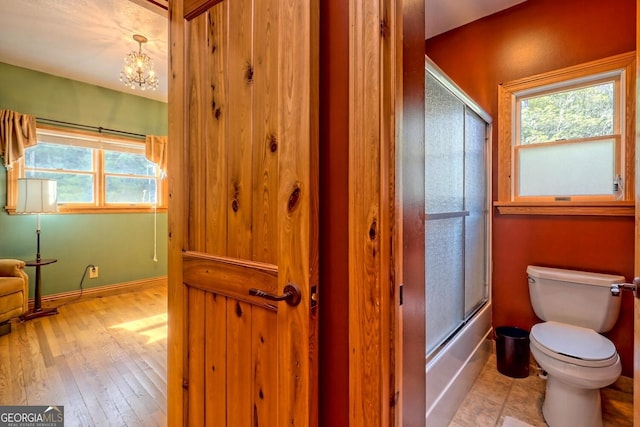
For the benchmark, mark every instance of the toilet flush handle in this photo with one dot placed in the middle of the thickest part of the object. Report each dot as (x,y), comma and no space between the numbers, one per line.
(616,288)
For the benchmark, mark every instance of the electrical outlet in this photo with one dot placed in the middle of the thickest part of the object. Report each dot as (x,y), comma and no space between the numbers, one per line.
(93,272)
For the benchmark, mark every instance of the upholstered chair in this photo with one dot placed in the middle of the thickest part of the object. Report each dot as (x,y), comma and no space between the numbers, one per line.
(14,292)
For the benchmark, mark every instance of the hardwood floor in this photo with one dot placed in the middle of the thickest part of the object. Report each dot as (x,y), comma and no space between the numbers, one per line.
(104,359)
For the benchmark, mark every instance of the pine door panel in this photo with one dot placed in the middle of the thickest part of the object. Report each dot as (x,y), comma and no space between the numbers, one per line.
(196,352)
(249,172)
(265,144)
(196,123)
(239,118)
(215,367)
(216,132)
(240,399)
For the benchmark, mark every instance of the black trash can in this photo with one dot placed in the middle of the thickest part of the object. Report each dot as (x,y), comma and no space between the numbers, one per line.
(512,351)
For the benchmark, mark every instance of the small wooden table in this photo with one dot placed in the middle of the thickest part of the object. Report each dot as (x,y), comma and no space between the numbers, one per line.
(37,310)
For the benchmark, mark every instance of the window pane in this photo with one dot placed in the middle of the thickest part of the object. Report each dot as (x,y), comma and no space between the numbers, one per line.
(72,188)
(127,163)
(130,190)
(572,114)
(55,156)
(566,169)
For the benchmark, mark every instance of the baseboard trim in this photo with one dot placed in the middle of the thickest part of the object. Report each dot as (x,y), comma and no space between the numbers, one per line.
(102,291)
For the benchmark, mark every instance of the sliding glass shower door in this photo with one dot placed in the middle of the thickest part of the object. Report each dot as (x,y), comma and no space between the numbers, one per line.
(456,207)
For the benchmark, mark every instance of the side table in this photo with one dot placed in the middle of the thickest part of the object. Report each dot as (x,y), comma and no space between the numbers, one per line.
(37,310)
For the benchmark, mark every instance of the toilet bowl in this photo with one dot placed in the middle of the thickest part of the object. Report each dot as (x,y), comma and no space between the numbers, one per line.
(579,362)
(575,307)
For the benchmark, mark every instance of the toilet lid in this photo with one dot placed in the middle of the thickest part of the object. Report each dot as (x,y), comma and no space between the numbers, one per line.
(573,341)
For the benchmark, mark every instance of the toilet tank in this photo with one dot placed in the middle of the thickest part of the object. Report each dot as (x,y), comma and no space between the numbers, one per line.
(577,298)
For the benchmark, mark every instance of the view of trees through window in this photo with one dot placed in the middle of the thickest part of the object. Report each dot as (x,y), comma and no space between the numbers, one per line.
(71,167)
(128,177)
(571,114)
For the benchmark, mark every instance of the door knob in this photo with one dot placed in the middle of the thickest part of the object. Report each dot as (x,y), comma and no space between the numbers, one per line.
(291,295)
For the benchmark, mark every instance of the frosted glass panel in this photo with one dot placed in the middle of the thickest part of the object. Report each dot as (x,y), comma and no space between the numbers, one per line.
(444,148)
(475,262)
(580,168)
(456,227)
(444,276)
(475,192)
(475,252)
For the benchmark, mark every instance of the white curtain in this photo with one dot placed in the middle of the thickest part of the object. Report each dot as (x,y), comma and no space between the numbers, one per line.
(17,133)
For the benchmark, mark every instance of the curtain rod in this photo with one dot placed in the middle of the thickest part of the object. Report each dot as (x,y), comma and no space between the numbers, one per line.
(98,129)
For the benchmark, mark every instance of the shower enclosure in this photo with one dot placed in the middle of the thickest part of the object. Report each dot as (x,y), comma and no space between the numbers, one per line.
(457,242)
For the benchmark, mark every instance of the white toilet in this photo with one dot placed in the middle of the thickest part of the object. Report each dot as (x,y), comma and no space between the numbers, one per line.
(576,307)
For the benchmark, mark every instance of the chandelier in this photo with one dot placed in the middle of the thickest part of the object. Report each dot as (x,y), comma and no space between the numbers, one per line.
(138,68)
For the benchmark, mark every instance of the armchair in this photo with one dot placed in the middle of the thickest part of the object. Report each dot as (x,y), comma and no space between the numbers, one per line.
(14,292)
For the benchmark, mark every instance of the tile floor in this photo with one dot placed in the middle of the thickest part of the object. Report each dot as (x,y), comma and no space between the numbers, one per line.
(495,396)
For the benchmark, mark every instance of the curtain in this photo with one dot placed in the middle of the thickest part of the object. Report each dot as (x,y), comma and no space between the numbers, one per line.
(156,152)
(17,132)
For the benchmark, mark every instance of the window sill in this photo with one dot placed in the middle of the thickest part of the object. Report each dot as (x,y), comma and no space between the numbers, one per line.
(11,210)
(622,208)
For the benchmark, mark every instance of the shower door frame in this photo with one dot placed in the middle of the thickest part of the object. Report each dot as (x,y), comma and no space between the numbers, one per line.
(451,369)
(431,68)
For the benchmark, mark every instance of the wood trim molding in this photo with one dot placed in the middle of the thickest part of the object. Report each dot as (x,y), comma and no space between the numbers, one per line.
(566,208)
(411,198)
(101,291)
(569,73)
(11,210)
(163,4)
(373,308)
(177,201)
(636,264)
(193,8)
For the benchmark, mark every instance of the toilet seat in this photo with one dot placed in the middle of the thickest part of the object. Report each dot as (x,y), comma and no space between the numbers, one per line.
(573,344)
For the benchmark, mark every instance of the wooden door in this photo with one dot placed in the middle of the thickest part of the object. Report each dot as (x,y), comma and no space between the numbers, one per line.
(636,303)
(636,323)
(243,212)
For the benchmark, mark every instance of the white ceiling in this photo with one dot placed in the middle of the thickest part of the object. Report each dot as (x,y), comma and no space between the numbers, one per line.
(444,15)
(86,40)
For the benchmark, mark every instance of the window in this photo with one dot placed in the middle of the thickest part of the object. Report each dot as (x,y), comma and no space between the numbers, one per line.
(93,172)
(567,140)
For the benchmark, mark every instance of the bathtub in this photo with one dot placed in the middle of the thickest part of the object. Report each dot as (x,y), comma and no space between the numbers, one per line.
(453,370)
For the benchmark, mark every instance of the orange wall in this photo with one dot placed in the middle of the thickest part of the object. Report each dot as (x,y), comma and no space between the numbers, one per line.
(334,208)
(534,37)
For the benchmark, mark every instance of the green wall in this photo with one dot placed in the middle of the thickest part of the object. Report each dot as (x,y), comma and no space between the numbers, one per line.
(121,245)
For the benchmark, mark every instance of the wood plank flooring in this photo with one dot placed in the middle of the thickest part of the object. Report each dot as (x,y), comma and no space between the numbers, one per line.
(104,359)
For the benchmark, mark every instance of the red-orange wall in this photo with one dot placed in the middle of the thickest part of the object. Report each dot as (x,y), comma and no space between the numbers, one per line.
(534,37)
(334,208)
(334,348)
